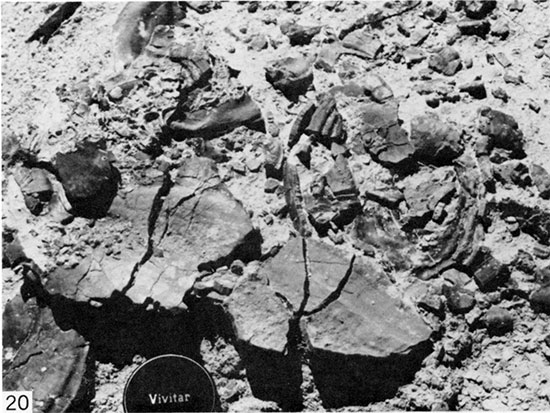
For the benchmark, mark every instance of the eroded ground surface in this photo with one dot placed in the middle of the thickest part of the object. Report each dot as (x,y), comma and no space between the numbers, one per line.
(329,205)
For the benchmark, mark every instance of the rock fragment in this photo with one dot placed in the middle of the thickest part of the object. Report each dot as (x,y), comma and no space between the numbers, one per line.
(489,272)
(259,318)
(413,55)
(459,300)
(476,89)
(363,44)
(513,172)
(498,321)
(175,230)
(50,361)
(258,42)
(51,26)
(435,141)
(477,9)
(379,90)
(338,334)
(510,77)
(470,27)
(534,106)
(379,129)
(210,123)
(502,129)
(418,36)
(274,158)
(390,197)
(500,29)
(295,200)
(540,299)
(501,94)
(89,179)
(300,123)
(436,13)
(299,35)
(541,179)
(35,186)
(424,194)
(328,57)
(336,202)
(322,122)
(533,220)
(135,25)
(291,75)
(516,5)
(446,60)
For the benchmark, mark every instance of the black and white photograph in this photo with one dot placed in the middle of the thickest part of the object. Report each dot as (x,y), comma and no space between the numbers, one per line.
(275,206)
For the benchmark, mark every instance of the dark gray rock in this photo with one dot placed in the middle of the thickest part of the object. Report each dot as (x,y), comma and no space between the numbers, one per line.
(425,193)
(502,129)
(513,172)
(435,141)
(500,29)
(541,179)
(89,179)
(389,197)
(501,94)
(295,200)
(362,297)
(436,13)
(382,135)
(498,321)
(477,9)
(274,157)
(476,89)
(532,220)
(378,89)
(418,36)
(503,60)
(326,124)
(300,124)
(344,344)
(340,299)
(446,60)
(376,231)
(334,197)
(39,355)
(363,44)
(299,35)
(259,318)
(35,186)
(213,122)
(459,300)
(271,185)
(258,42)
(489,273)
(172,233)
(413,55)
(540,299)
(291,75)
(525,262)
(470,27)
(328,57)
(460,233)
(513,78)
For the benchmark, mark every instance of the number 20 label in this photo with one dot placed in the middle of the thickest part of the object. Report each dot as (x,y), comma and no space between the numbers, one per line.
(17,401)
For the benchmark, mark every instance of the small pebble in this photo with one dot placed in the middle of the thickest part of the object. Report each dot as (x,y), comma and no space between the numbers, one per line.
(237,267)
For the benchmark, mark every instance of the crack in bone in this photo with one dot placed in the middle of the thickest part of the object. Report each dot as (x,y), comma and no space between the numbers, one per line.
(156,208)
(333,296)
